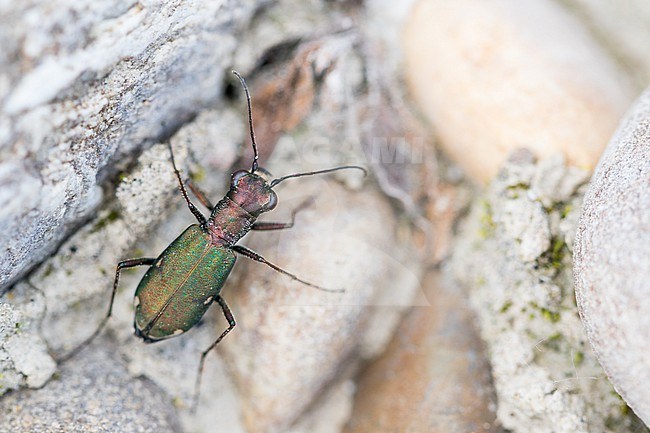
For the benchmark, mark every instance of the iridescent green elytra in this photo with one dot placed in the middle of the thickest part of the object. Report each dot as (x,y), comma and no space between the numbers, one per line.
(182,283)
(180,286)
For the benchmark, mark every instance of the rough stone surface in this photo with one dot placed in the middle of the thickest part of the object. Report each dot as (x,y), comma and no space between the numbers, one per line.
(84,84)
(546,377)
(612,259)
(24,360)
(95,394)
(491,77)
(435,348)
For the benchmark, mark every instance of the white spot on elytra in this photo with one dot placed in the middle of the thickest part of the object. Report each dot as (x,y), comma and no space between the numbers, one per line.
(136,301)
(178,332)
(207,301)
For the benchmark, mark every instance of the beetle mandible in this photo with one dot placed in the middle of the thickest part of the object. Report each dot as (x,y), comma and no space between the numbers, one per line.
(187,277)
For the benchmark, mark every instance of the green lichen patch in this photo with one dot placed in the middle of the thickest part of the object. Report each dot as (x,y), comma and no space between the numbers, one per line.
(505,307)
(578,358)
(566,210)
(487,225)
(555,256)
(551,316)
(198,175)
(111,216)
(515,191)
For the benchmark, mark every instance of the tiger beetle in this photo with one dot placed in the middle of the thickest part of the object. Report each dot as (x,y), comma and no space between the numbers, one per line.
(182,283)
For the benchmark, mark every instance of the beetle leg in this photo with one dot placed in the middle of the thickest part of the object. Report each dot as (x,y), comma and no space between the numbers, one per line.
(231,324)
(205,201)
(144,261)
(195,211)
(263,225)
(254,256)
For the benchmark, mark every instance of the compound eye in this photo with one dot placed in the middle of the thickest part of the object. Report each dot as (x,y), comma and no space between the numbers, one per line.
(273,201)
(238,175)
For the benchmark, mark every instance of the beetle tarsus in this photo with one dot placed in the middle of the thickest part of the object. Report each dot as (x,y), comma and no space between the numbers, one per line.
(231,322)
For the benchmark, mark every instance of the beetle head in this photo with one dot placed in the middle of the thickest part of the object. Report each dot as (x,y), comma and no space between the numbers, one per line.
(252,192)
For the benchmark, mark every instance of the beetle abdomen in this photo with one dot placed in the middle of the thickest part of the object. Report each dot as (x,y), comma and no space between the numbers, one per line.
(180,286)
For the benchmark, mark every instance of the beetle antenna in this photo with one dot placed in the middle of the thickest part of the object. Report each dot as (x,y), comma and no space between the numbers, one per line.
(250,120)
(311,173)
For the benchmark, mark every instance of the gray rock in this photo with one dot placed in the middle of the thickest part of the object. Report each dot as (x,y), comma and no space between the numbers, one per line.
(519,270)
(612,259)
(84,85)
(24,359)
(93,394)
